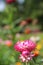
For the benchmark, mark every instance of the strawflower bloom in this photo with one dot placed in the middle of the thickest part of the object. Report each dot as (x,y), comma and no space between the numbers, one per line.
(25,45)
(25,48)
(25,53)
(26,58)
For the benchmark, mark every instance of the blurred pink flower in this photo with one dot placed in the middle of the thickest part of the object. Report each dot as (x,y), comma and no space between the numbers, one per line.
(10,1)
(1,40)
(8,43)
(25,45)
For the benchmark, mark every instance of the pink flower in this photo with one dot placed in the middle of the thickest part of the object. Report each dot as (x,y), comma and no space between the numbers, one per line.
(25,53)
(19,46)
(26,59)
(25,45)
(1,40)
(22,58)
(9,1)
(8,43)
(31,45)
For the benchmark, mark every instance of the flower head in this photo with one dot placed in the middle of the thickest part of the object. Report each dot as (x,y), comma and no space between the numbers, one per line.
(26,58)
(31,45)
(25,53)
(25,45)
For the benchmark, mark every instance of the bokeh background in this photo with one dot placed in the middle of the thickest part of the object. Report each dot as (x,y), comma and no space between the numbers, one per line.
(20,20)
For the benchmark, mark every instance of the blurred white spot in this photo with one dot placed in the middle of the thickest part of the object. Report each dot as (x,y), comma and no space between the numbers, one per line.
(2,6)
(35,39)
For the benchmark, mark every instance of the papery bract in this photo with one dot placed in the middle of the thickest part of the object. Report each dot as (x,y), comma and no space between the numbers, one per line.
(25,45)
(19,46)
(31,45)
(26,58)
(25,53)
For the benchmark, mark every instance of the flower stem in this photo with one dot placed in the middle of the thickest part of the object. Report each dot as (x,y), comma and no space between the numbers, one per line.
(26,63)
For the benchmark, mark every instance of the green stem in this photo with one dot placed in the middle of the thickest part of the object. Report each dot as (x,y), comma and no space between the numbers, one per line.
(26,63)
